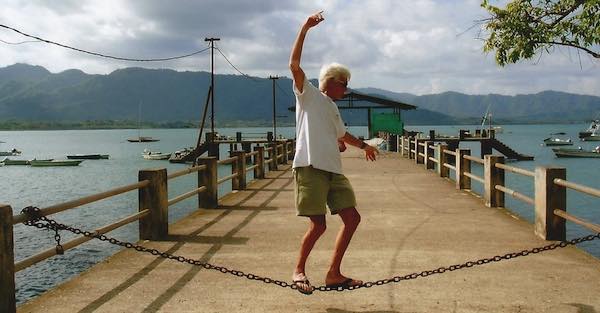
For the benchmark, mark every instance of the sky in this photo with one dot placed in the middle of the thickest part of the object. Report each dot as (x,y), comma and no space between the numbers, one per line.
(418,46)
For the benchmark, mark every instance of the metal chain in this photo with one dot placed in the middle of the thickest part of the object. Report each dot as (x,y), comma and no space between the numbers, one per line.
(36,219)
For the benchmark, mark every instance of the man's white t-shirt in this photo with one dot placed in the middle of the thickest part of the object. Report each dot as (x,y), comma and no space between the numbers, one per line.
(318,126)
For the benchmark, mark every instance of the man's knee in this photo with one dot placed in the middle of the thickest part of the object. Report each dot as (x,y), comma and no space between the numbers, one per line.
(318,228)
(350,217)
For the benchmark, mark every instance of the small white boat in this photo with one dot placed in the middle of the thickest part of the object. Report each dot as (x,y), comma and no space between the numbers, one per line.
(12,152)
(155,155)
(592,133)
(557,142)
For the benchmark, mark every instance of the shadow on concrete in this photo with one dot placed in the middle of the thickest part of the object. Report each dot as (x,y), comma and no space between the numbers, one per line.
(583,308)
(333,310)
(218,243)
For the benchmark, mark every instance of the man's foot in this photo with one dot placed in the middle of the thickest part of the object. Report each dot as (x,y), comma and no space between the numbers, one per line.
(344,283)
(302,284)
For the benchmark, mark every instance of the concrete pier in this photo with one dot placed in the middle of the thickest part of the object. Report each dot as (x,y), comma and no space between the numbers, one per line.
(412,220)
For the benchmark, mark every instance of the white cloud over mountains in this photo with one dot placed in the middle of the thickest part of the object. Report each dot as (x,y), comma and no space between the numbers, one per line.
(420,46)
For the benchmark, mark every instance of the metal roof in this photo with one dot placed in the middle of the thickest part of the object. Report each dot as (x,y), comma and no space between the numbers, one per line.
(353,98)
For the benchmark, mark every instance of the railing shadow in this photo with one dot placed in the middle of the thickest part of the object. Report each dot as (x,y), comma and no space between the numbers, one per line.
(217,244)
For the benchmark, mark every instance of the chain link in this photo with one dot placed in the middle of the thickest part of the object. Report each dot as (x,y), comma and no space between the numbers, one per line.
(36,219)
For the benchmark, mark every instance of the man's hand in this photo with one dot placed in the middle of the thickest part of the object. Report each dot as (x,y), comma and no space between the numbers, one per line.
(371,153)
(341,145)
(314,19)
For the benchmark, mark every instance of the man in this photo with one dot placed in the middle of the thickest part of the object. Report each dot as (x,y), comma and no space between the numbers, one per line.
(321,135)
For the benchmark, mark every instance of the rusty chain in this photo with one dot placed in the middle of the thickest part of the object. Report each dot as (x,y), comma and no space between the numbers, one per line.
(36,219)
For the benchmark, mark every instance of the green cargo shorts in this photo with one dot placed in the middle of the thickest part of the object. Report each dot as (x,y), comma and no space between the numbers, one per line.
(314,188)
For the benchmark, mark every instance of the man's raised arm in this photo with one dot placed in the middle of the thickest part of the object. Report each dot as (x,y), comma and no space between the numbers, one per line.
(297,72)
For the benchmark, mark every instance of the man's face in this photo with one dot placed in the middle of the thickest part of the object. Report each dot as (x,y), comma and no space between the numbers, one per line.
(336,88)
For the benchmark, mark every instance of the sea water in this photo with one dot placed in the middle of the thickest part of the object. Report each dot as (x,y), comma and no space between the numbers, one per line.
(23,186)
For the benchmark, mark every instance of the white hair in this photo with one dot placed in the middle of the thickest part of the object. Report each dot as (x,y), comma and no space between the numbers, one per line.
(335,71)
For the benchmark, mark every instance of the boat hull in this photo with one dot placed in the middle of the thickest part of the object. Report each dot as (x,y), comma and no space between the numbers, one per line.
(575,153)
(36,163)
(87,156)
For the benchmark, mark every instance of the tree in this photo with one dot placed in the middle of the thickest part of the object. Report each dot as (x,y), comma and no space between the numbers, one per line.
(528,27)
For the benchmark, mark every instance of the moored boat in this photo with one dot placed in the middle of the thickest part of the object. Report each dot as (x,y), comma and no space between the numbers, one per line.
(142,139)
(557,142)
(10,153)
(87,156)
(576,153)
(592,131)
(8,161)
(55,163)
(155,155)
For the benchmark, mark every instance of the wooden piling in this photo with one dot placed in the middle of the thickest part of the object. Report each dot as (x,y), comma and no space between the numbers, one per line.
(209,198)
(428,163)
(548,197)
(7,261)
(272,155)
(442,157)
(154,226)
(259,159)
(463,166)
(238,167)
(493,176)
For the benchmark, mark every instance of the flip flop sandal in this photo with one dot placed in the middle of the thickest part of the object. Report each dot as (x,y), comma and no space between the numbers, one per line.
(299,283)
(343,285)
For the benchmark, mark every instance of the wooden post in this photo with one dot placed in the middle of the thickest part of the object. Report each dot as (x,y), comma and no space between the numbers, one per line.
(548,197)
(284,151)
(428,163)
(293,149)
(416,146)
(419,149)
(486,147)
(272,154)
(463,166)
(259,159)
(208,199)
(493,176)
(154,226)
(442,158)
(8,302)
(239,167)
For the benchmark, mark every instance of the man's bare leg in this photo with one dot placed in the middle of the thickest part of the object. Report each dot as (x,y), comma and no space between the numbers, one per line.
(315,230)
(351,219)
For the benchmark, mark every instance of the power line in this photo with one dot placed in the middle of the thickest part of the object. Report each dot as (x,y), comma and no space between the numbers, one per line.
(18,43)
(283,90)
(243,74)
(100,54)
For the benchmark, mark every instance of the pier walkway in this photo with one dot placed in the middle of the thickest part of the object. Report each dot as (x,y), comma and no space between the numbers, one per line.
(412,221)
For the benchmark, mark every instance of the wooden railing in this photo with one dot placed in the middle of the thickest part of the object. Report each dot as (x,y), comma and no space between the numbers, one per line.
(550,184)
(152,205)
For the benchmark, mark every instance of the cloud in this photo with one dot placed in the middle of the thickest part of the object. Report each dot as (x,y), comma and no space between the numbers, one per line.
(420,46)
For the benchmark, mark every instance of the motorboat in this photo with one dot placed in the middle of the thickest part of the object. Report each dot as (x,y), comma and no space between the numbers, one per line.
(592,131)
(142,139)
(12,152)
(576,152)
(155,155)
(557,142)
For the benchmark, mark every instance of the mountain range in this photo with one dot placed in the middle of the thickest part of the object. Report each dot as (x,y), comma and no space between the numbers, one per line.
(32,93)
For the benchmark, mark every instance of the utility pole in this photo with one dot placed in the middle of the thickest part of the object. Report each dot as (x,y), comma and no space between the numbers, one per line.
(212,82)
(273,78)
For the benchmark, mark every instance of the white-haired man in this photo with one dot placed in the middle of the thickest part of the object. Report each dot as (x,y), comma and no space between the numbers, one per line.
(320,135)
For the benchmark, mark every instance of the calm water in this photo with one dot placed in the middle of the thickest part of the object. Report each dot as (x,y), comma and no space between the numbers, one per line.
(23,186)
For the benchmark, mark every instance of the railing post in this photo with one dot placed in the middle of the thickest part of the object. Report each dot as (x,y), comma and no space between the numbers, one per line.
(272,156)
(209,198)
(493,176)
(428,163)
(463,166)
(418,149)
(7,261)
(239,167)
(284,152)
(400,145)
(154,197)
(442,170)
(259,159)
(548,197)
(416,145)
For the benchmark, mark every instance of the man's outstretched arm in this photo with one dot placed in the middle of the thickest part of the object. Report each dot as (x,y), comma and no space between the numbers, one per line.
(297,71)
(370,151)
